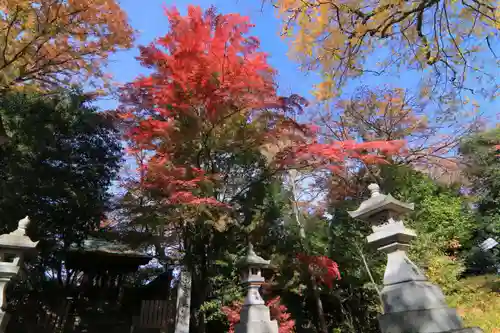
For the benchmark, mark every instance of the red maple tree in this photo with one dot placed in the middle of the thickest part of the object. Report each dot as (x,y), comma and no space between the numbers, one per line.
(212,90)
(207,79)
(323,268)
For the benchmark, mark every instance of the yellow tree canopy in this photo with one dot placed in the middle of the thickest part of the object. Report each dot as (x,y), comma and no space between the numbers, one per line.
(49,43)
(342,38)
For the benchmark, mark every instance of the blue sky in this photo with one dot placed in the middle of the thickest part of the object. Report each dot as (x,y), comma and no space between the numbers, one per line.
(148,18)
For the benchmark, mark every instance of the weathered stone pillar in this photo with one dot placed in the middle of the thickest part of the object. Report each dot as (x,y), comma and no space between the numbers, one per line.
(183,307)
(411,303)
(254,316)
(13,246)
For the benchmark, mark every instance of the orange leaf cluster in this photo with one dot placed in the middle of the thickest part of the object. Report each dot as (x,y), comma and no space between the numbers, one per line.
(49,43)
(334,155)
(347,39)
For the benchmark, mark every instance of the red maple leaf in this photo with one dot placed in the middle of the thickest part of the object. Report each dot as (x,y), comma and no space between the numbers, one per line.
(278,312)
(204,70)
(208,79)
(324,268)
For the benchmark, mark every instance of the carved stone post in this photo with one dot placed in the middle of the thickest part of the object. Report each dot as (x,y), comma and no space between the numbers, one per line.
(183,307)
(13,246)
(254,316)
(411,303)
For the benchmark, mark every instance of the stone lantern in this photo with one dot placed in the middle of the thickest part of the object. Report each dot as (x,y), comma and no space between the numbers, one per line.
(411,303)
(254,316)
(13,247)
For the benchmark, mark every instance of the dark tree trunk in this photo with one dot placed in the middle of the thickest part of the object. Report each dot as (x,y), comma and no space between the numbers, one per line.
(4,138)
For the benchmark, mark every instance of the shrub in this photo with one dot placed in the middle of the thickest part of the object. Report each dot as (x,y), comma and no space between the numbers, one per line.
(278,312)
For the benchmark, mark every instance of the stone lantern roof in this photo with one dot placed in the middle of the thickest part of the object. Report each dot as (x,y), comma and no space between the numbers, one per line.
(18,239)
(383,212)
(378,203)
(252,259)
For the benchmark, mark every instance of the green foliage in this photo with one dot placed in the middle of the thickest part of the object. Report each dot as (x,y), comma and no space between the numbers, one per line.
(354,303)
(226,289)
(445,272)
(442,225)
(441,218)
(483,170)
(444,217)
(58,164)
(56,167)
(481,262)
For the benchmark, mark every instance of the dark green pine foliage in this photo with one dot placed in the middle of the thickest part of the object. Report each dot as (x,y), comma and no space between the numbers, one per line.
(56,167)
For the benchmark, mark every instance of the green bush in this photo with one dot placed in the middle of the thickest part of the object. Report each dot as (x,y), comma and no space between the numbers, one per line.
(445,272)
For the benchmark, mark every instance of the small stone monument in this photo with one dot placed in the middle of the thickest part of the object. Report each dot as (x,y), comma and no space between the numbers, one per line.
(488,244)
(183,306)
(411,303)
(254,316)
(13,247)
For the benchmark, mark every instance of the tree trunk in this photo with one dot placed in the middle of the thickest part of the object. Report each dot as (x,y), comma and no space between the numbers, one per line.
(321,325)
(199,296)
(4,138)
(200,259)
(319,306)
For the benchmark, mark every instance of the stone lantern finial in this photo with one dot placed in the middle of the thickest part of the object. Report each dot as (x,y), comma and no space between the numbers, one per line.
(22,225)
(251,267)
(17,240)
(252,260)
(411,303)
(374,189)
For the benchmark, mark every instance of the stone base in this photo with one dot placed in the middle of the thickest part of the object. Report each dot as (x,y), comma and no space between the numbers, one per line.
(257,327)
(468,330)
(421,321)
(254,312)
(412,295)
(255,318)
